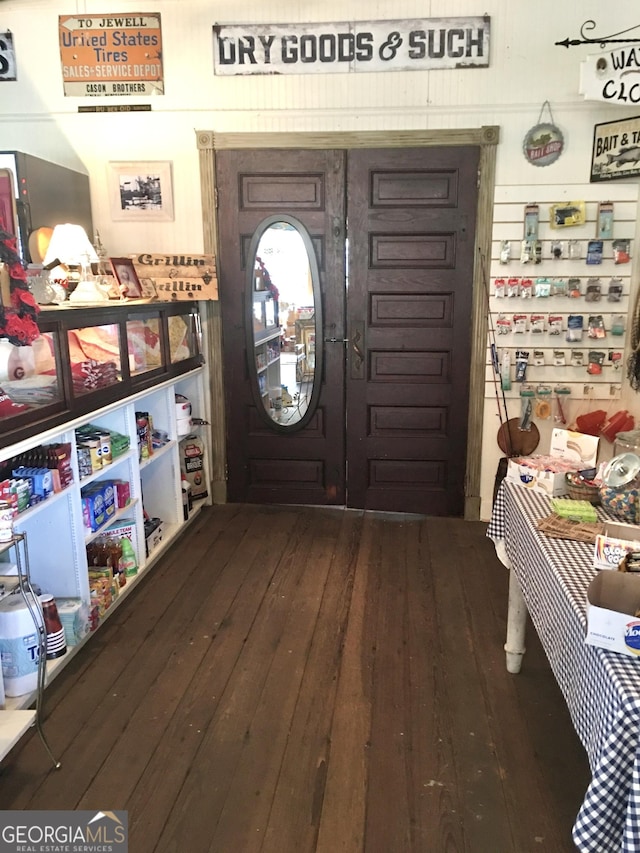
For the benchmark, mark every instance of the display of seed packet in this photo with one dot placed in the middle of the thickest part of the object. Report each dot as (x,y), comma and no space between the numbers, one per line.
(594,251)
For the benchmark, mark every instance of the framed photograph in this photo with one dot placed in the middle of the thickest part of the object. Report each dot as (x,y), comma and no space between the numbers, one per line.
(141,192)
(127,278)
(148,288)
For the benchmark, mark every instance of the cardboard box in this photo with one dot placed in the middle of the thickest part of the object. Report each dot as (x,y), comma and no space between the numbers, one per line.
(614,544)
(579,451)
(153,533)
(612,599)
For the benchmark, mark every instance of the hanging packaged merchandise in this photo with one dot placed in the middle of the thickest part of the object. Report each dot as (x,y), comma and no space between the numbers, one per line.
(577,358)
(596,360)
(192,465)
(531,252)
(574,250)
(526,288)
(531,221)
(539,358)
(617,325)
(574,288)
(621,251)
(526,408)
(542,408)
(543,287)
(500,288)
(514,287)
(505,252)
(520,323)
(556,249)
(594,251)
(537,324)
(594,290)
(575,323)
(559,357)
(561,393)
(615,359)
(596,327)
(555,324)
(614,292)
(558,287)
(505,370)
(503,324)
(522,360)
(605,220)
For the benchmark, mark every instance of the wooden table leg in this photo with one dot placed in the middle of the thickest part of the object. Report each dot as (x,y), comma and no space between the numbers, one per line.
(516,625)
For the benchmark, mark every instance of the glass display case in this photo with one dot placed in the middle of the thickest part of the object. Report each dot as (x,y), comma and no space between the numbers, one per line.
(88,357)
(184,336)
(30,383)
(94,355)
(144,344)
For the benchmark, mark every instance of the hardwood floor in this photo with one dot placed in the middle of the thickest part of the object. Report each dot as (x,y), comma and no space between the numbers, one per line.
(304,679)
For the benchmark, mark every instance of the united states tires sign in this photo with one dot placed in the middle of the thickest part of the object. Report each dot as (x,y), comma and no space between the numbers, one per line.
(405,45)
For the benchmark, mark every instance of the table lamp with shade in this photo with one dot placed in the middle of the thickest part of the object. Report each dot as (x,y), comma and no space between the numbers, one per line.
(69,256)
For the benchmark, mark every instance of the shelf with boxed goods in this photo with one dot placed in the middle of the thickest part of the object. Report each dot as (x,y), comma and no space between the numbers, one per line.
(143,496)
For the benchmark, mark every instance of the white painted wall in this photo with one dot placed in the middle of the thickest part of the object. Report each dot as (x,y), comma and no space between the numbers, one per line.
(526,69)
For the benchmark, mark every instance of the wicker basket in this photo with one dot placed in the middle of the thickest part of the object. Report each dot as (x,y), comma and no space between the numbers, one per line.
(580,489)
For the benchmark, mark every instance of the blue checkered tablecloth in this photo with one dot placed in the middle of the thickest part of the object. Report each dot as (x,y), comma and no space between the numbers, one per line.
(601,688)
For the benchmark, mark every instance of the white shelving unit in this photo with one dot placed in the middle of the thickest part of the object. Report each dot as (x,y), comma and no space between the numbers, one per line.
(55,529)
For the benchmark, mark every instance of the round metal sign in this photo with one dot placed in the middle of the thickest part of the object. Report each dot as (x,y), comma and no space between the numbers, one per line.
(543,144)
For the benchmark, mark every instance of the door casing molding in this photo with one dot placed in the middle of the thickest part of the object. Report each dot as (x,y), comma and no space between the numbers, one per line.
(487,139)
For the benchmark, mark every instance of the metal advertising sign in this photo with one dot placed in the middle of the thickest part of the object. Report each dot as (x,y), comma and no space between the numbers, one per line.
(613,76)
(404,45)
(7,57)
(543,144)
(616,150)
(111,54)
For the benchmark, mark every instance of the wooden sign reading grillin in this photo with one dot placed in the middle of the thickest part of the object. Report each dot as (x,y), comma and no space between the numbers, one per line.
(179,277)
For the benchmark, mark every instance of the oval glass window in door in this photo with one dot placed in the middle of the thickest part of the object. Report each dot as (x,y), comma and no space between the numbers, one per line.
(283,322)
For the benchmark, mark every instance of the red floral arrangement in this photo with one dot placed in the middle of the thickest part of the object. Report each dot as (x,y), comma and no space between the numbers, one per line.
(18,320)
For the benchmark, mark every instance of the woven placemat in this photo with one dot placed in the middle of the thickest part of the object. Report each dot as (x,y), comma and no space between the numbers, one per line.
(563,528)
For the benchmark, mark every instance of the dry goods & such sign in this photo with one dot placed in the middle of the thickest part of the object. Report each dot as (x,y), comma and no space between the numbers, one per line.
(406,45)
(111,54)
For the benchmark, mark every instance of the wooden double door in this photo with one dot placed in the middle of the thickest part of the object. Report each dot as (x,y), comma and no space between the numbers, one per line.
(393,231)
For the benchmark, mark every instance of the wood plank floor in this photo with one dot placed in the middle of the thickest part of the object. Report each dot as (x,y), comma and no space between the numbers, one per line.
(292,679)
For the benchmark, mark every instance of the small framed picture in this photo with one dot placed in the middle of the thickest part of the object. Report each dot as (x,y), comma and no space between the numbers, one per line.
(127,278)
(148,288)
